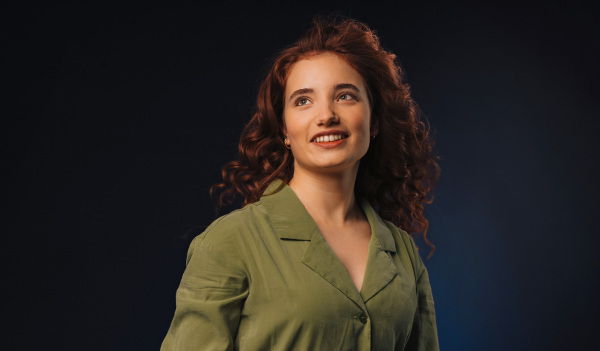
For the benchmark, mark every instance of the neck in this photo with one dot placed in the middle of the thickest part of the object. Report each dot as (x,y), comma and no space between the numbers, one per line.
(328,197)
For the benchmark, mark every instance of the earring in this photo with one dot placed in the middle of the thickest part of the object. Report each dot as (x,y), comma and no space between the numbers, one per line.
(373,137)
(287,143)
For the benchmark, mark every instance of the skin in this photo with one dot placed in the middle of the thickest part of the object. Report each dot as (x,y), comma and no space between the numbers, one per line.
(324,93)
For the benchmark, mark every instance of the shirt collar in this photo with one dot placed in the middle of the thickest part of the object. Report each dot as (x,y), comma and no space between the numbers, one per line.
(291,220)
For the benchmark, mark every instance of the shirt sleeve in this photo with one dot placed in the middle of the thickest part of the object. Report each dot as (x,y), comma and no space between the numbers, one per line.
(210,296)
(423,336)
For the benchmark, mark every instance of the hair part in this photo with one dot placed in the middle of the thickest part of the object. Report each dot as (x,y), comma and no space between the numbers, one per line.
(399,170)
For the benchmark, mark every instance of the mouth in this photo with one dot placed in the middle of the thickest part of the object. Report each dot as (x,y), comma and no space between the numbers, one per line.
(328,138)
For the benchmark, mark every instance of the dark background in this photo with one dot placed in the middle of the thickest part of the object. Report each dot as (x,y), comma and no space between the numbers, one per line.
(120,117)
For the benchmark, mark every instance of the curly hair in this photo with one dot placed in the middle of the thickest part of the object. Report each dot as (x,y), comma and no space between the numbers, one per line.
(399,169)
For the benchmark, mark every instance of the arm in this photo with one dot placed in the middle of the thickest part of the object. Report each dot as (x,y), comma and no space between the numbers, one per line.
(423,336)
(210,297)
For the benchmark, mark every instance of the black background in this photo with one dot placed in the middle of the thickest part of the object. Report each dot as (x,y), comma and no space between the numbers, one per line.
(120,117)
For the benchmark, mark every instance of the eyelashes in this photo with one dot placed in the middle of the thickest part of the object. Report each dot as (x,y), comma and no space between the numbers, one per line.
(348,97)
(301,101)
(345,96)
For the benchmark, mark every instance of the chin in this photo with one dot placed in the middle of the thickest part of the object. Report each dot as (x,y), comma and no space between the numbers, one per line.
(333,167)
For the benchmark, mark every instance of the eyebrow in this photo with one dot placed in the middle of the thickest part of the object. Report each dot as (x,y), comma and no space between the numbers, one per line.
(335,87)
(301,91)
(346,86)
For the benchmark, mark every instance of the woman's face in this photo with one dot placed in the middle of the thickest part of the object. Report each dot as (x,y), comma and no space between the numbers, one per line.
(326,114)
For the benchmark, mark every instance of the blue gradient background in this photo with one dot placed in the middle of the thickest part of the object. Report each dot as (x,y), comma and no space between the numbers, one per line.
(120,117)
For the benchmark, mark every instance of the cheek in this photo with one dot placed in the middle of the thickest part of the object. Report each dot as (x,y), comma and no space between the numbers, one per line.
(363,122)
(293,125)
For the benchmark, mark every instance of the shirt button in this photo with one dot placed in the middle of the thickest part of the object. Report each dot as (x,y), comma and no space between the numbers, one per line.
(361,317)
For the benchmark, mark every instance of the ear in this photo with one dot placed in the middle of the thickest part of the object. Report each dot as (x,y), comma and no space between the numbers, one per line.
(374,126)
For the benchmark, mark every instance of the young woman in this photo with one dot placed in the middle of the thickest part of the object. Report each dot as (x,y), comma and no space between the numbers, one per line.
(335,168)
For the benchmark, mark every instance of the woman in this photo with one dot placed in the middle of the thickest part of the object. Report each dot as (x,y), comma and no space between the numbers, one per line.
(334,159)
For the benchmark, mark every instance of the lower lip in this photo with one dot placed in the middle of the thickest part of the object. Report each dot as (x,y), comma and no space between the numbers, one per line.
(331,144)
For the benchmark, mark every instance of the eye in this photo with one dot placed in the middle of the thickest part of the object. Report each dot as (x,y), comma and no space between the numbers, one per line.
(347,97)
(301,101)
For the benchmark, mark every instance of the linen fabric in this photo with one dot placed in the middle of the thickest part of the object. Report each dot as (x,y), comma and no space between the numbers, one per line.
(264,278)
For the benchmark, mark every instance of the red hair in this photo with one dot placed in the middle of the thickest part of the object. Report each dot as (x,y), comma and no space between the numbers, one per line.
(398,171)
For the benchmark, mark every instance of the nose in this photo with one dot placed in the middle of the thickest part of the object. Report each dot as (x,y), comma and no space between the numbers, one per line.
(326,116)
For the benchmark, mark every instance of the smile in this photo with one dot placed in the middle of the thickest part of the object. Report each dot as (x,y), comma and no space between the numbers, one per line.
(328,138)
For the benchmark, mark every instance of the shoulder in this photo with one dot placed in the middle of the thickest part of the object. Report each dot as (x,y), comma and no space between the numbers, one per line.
(229,232)
(405,245)
(236,222)
(403,240)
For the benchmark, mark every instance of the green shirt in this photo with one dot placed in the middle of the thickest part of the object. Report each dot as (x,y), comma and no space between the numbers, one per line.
(264,278)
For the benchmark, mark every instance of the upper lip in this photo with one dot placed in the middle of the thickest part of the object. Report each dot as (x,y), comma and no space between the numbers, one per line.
(329,132)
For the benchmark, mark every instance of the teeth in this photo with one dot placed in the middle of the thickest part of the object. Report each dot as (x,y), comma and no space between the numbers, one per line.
(328,138)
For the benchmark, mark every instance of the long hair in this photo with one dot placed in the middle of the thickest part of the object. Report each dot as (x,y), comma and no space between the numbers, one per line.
(399,169)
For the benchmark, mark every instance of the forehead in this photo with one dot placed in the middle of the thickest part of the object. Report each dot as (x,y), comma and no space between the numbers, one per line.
(321,71)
